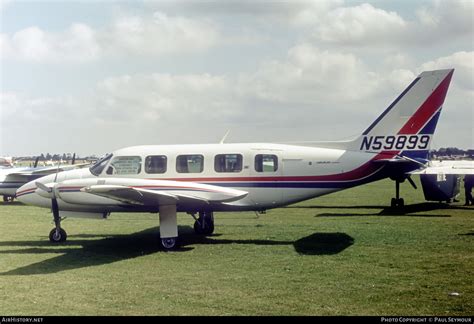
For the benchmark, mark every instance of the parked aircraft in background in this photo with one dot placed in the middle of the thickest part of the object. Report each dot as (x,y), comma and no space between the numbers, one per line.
(14,177)
(441,180)
(202,179)
(6,161)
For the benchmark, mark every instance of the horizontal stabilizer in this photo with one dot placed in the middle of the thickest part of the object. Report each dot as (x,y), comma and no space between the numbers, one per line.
(448,167)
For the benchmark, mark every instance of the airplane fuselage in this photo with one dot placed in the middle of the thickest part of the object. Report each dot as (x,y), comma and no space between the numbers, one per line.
(273,175)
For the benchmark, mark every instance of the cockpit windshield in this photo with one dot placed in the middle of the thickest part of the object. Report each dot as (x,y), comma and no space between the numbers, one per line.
(99,166)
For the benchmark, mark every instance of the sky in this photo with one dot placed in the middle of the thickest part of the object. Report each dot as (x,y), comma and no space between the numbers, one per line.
(94,76)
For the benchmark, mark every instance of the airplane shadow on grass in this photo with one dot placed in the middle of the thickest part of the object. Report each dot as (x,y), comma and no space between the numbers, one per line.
(82,251)
(408,210)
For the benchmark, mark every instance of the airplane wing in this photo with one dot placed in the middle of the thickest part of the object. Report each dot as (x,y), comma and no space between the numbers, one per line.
(134,196)
(42,171)
(194,195)
(28,174)
(448,167)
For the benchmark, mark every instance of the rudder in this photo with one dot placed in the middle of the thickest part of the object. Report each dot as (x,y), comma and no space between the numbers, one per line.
(408,124)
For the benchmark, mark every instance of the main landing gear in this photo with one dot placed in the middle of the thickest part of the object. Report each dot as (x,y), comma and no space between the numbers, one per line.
(398,202)
(204,225)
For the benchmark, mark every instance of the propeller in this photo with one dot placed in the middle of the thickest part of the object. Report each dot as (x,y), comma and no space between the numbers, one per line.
(73,159)
(51,192)
(36,162)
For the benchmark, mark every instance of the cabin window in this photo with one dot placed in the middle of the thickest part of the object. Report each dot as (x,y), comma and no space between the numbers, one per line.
(155,164)
(189,163)
(228,163)
(125,165)
(266,163)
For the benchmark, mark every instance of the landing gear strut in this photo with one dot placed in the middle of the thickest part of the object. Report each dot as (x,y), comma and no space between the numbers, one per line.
(57,234)
(397,201)
(168,227)
(205,223)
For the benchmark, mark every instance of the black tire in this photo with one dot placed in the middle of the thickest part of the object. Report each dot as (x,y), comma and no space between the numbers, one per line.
(169,243)
(57,238)
(393,203)
(208,227)
(401,203)
(198,228)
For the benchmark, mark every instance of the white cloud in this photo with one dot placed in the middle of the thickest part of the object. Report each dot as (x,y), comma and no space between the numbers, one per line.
(328,94)
(164,97)
(159,35)
(453,17)
(360,24)
(366,25)
(78,43)
(128,35)
(4,4)
(462,62)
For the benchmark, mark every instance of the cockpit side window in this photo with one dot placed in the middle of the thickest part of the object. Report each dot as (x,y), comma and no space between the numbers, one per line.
(99,166)
(123,165)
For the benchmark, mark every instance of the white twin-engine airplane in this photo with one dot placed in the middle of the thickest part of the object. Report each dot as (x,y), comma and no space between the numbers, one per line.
(245,177)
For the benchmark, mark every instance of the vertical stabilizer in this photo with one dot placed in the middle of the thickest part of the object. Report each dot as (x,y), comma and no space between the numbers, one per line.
(406,127)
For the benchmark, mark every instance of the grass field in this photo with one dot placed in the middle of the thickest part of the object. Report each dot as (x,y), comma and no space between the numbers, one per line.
(342,254)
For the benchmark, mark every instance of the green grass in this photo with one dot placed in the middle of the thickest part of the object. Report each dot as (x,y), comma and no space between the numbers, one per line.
(342,254)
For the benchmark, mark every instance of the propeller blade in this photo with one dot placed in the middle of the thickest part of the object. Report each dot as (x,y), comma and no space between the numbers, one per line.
(73,159)
(412,182)
(36,162)
(43,187)
(55,209)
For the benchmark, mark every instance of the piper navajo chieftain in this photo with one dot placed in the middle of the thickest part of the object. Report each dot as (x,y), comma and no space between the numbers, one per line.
(202,179)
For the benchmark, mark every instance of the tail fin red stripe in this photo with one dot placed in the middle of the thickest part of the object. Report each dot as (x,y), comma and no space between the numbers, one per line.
(427,109)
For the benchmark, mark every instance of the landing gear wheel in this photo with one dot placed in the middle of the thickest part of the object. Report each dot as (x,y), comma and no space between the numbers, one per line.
(57,237)
(205,223)
(169,243)
(8,199)
(401,203)
(393,202)
(397,203)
